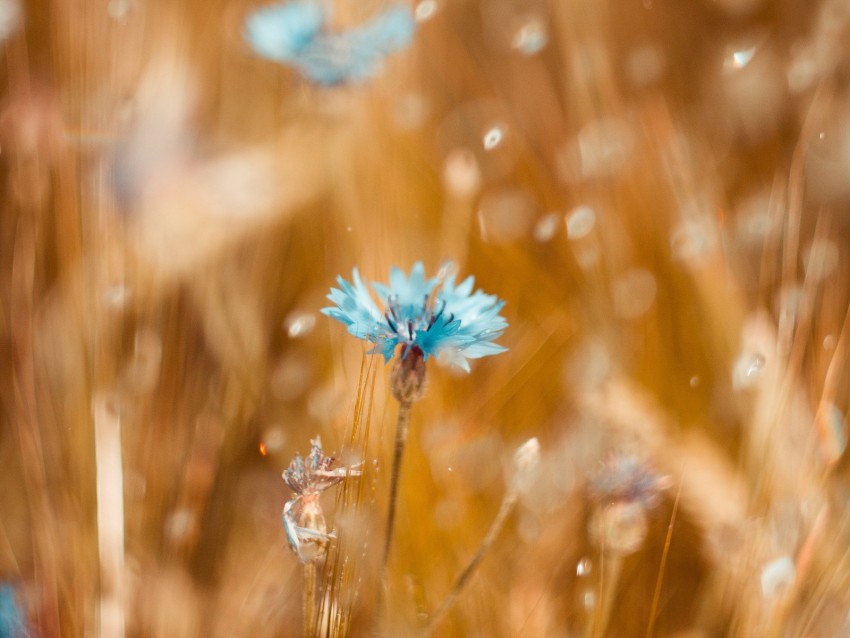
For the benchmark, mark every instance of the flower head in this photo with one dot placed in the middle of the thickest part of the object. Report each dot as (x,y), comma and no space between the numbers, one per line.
(303,518)
(424,316)
(12,620)
(295,33)
(623,491)
(315,474)
(627,478)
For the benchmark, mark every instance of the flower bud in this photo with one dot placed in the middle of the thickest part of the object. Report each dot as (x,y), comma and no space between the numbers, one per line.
(407,380)
(313,547)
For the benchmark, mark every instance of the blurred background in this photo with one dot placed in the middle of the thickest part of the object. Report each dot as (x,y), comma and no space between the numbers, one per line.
(659,190)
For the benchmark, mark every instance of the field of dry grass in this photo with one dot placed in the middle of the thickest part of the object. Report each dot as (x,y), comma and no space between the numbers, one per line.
(658,190)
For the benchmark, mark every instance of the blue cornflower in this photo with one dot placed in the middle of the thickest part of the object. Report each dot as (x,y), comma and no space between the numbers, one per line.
(424,316)
(12,621)
(625,477)
(296,33)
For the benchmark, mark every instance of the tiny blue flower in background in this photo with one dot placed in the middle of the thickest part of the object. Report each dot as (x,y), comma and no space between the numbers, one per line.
(421,315)
(281,32)
(12,623)
(296,34)
(626,477)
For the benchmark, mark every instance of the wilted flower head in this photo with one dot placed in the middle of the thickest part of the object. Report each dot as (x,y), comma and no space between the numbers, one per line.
(296,33)
(303,518)
(424,316)
(313,475)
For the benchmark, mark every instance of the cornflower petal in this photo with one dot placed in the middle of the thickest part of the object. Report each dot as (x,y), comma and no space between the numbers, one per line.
(442,334)
(407,291)
(388,31)
(12,619)
(296,34)
(354,308)
(454,358)
(281,32)
(482,349)
(467,306)
(449,321)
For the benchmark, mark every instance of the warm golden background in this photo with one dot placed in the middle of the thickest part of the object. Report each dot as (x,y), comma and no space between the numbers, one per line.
(659,189)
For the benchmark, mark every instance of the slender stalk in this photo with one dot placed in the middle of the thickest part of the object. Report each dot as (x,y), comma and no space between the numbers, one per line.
(508,503)
(656,595)
(596,621)
(309,599)
(401,430)
(526,458)
(110,516)
(407,382)
(612,569)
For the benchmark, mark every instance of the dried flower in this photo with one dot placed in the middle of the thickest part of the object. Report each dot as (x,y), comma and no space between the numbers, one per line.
(303,519)
(296,34)
(525,464)
(423,316)
(316,474)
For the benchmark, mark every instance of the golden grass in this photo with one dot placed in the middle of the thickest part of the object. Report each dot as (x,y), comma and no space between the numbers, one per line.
(175,209)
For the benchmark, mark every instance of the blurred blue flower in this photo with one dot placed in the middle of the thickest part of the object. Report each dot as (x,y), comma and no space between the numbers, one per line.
(626,477)
(425,315)
(12,623)
(296,34)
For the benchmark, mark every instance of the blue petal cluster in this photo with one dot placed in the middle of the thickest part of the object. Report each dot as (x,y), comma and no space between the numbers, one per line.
(296,34)
(12,620)
(625,477)
(437,318)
